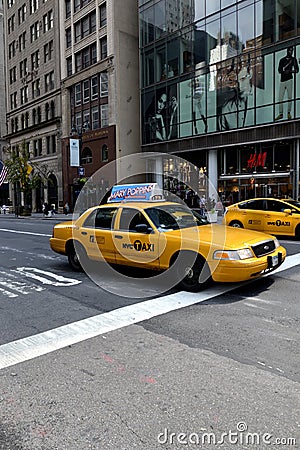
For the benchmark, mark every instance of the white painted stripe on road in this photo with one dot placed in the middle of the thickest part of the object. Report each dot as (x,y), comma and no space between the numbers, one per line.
(35,255)
(8,293)
(25,232)
(41,344)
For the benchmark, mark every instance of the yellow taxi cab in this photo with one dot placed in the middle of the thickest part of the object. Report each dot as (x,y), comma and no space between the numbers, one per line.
(270,215)
(138,228)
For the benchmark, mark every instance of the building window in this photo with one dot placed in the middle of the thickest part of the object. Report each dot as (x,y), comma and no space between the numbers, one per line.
(104,153)
(48,51)
(94,87)
(39,114)
(68,8)
(86,91)
(85,26)
(51,144)
(23,68)
(104,115)
(86,156)
(68,38)
(95,118)
(36,90)
(22,14)
(11,24)
(49,81)
(52,110)
(103,19)
(48,21)
(78,4)
(34,4)
(13,100)
(12,49)
(47,111)
(85,58)
(103,47)
(13,75)
(103,84)
(78,94)
(10,3)
(35,60)
(24,95)
(35,148)
(22,41)
(34,31)
(69,66)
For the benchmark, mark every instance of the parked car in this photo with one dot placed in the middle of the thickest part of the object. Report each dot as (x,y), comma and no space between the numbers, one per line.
(147,232)
(270,215)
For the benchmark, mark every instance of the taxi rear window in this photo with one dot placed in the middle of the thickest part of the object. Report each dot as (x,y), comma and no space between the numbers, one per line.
(101,218)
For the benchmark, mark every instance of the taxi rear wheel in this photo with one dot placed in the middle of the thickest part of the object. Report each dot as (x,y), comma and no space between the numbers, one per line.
(236,224)
(76,256)
(193,272)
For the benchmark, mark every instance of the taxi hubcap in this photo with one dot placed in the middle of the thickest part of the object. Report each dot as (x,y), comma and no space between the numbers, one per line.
(189,273)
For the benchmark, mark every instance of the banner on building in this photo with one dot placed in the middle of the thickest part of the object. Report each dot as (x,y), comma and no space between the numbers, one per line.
(74,153)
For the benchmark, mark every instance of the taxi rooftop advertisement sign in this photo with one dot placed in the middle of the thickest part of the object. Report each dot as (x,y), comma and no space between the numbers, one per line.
(143,192)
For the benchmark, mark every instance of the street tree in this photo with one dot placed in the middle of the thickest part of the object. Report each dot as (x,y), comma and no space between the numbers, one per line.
(24,174)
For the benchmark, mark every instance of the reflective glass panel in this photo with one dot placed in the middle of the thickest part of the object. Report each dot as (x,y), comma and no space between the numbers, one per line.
(199,8)
(284,19)
(160,19)
(212,6)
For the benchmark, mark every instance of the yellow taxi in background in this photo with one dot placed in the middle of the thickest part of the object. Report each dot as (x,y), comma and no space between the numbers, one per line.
(270,215)
(138,228)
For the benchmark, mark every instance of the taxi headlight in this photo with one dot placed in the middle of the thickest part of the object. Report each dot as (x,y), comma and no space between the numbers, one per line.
(233,255)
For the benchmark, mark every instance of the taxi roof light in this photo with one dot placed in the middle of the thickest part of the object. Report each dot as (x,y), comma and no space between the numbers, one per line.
(142,192)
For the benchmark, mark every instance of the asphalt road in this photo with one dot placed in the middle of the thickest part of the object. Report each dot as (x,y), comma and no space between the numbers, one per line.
(96,370)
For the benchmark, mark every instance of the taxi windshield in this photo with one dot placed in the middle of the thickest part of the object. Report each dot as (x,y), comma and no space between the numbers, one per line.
(173,217)
(293,203)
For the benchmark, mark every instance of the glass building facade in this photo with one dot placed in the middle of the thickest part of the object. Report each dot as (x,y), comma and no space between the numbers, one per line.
(210,67)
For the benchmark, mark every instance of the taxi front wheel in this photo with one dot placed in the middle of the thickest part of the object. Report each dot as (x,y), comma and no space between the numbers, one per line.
(193,272)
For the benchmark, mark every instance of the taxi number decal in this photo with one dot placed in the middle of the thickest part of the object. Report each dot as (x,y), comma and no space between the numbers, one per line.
(254,222)
(98,239)
(279,223)
(140,246)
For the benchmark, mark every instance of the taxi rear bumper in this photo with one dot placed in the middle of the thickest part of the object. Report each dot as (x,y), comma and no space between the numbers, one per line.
(58,246)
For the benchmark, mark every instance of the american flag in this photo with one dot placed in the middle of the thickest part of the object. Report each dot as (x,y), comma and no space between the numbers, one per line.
(3,172)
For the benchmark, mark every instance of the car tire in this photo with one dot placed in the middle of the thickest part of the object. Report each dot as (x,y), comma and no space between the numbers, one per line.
(236,224)
(297,232)
(76,257)
(193,272)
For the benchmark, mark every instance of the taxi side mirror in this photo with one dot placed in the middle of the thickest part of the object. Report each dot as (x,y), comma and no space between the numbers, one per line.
(142,228)
(287,211)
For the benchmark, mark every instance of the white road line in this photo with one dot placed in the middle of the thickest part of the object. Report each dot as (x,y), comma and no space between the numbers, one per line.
(24,232)
(41,344)
(36,255)
(8,293)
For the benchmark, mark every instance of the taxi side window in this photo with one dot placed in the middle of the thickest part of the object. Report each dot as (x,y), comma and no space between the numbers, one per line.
(254,205)
(273,205)
(130,218)
(161,218)
(101,218)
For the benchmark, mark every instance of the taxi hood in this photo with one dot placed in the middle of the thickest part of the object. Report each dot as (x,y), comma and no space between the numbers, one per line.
(225,236)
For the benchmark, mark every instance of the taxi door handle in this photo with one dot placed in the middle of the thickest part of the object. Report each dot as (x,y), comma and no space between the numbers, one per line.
(118,236)
(84,233)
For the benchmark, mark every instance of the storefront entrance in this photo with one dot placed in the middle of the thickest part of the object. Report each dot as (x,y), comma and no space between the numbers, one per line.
(239,189)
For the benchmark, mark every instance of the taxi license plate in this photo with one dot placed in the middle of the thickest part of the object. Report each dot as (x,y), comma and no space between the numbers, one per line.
(274,260)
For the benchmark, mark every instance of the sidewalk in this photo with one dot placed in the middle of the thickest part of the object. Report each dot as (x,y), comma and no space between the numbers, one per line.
(38,216)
